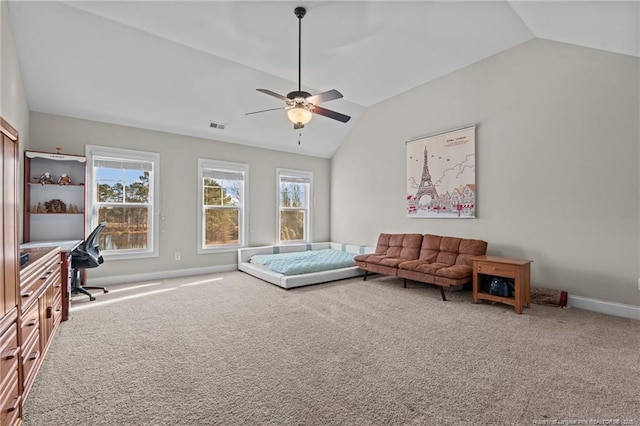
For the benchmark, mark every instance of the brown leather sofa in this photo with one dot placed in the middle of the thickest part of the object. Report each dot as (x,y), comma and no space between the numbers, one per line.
(431,259)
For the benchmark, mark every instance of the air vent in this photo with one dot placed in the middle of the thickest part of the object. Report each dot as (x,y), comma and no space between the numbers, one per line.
(219,126)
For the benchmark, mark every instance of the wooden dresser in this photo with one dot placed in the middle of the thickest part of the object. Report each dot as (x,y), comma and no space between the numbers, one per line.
(41,309)
(10,396)
(30,295)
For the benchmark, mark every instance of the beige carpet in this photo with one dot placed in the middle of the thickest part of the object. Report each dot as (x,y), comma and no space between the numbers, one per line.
(229,349)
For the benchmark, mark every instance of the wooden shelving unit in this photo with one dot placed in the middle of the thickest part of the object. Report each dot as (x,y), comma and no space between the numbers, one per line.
(517,269)
(65,217)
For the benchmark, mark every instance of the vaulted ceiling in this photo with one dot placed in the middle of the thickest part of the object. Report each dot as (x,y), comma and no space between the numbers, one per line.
(175,66)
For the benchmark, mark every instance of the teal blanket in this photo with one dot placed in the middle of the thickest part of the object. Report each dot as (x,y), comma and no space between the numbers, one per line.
(303,262)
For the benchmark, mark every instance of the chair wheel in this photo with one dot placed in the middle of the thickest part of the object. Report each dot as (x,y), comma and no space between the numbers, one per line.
(91,298)
(105,290)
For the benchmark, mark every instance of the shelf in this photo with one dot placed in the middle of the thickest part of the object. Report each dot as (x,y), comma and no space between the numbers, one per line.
(55,185)
(79,213)
(64,219)
(516,269)
(493,298)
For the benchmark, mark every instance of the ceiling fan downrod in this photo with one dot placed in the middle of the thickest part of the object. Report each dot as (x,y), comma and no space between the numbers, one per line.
(300,12)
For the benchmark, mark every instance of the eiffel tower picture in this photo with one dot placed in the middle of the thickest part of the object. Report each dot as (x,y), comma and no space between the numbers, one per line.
(426,186)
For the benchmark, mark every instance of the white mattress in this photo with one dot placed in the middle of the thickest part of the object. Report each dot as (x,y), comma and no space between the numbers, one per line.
(284,281)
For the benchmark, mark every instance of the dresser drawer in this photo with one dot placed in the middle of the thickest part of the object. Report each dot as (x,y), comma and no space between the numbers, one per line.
(30,358)
(30,323)
(57,310)
(497,269)
(40,273)
(10,401)
(9,351)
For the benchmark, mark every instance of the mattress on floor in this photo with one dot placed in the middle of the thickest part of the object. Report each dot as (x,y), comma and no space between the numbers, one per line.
(305,262)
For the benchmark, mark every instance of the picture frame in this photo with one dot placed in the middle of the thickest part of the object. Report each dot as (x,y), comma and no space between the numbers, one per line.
(441,175)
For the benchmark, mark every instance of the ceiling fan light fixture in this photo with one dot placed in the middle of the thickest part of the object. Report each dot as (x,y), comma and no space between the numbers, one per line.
(299,115)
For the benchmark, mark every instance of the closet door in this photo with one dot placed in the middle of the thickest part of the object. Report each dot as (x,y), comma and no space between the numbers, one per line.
(9,219)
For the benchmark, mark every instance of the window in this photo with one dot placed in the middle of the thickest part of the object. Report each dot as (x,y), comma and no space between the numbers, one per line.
(123,192)
(222,197)
(294,199)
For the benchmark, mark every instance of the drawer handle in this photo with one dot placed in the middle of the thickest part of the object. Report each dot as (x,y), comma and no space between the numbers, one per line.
(49,311)
(31,323)
(12,353)
(56,286)
(34,355)
(14,404)
(26,293)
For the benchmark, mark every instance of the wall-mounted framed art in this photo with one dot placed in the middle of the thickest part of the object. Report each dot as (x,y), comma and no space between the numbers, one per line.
(441,174)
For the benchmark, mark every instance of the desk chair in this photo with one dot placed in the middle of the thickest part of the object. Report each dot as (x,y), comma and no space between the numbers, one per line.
(86,255)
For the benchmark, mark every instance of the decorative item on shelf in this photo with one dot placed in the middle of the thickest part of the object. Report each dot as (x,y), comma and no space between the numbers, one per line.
(59,149)
(45,178)
(55,206)
(72,209)
(37,208)
(64,179)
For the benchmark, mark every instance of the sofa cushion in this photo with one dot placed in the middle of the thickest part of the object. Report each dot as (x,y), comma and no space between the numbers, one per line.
(456,272)
(398,245)
(383,244)
(431,268)
(448,250)
(392,261)
(470,248)
(430,247)
(361,257)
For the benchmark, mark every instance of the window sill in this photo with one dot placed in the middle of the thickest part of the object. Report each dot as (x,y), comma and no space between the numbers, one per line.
(227,249)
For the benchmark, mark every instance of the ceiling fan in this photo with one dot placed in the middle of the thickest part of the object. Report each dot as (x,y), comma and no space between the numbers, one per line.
(301,105)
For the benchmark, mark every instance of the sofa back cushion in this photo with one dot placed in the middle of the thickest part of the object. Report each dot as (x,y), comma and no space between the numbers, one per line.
(470,248)
(450,250)
(430,247)
(399,245)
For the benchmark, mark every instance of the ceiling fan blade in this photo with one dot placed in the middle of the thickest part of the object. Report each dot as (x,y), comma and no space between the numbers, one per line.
(264,110)
(274,94)
(331,114)
(329,95)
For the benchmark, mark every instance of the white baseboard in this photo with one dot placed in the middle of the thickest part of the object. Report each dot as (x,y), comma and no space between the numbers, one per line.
(602,306)
(161,275)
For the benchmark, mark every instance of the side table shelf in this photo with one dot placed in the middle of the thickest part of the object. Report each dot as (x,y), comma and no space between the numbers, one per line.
(517,269)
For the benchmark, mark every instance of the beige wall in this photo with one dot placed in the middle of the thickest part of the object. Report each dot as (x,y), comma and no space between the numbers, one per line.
(13,100)
(13,104)
(557,164)
(178,186)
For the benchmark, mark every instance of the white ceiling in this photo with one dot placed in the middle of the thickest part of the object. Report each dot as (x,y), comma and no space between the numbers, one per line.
(174,66)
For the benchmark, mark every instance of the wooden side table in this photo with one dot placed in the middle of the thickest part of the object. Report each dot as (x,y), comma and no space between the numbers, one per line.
(517,269)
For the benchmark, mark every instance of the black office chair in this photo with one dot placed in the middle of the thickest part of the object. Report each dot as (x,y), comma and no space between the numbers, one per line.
(86,255)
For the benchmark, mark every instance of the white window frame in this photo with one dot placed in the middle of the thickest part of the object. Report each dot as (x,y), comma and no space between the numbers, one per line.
(224,166)
(93,152)
(300,174)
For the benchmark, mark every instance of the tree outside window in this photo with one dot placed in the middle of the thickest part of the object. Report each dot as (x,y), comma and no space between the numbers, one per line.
(122,191)
(294,189)
(123,201)
(222,189)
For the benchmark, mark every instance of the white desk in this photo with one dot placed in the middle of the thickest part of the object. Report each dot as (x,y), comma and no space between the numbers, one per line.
(66,247)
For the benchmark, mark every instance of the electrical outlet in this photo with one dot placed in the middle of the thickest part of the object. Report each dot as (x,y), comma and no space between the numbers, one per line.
(177,255)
